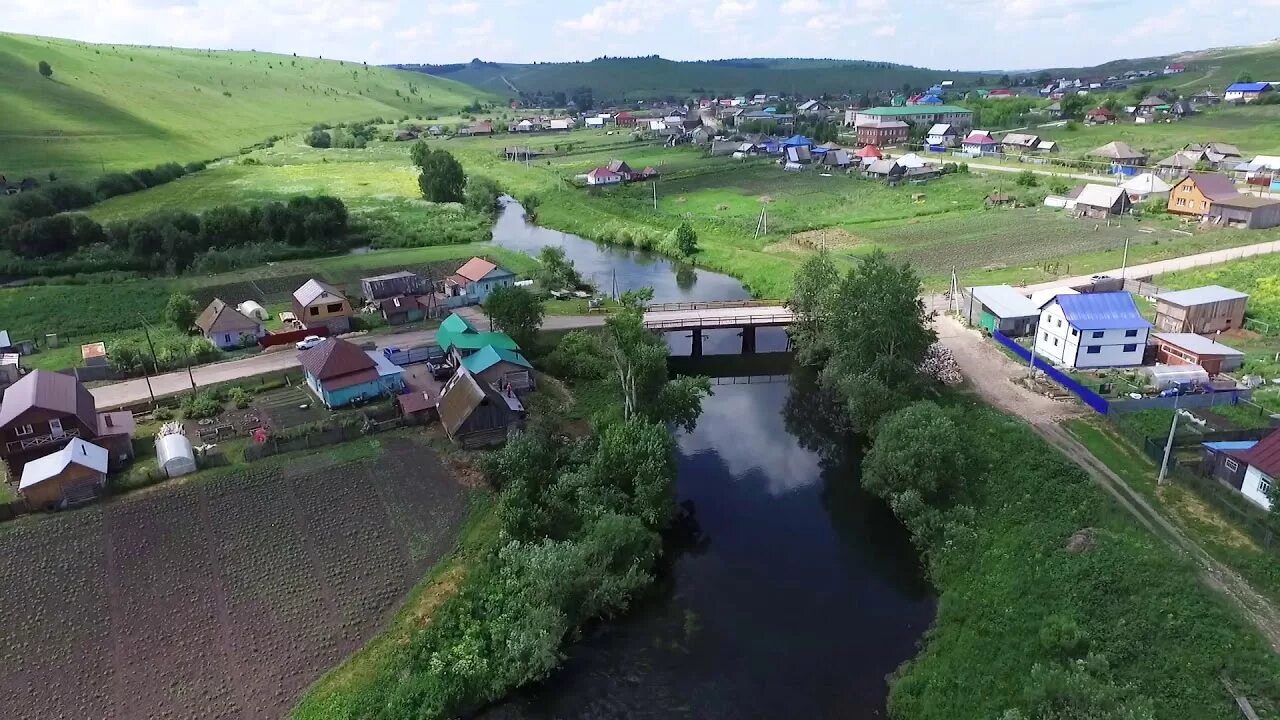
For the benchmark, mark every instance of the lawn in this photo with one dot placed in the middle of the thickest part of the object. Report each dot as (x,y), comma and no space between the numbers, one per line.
(120,107)
(1254,129)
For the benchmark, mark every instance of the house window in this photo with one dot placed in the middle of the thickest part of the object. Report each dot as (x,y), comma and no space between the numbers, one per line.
(1231,465)
(313,311)
(1046,337)
(226,337)
(55,427)
(1055,342)
(1264,485)
(1097,334)
(1131,333)
(1059,322)
(1074,332)
(1093,349)
(333,307)
(1130,348)
(22,430)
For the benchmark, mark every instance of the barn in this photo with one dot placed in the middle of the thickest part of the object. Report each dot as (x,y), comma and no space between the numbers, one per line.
(1000,307)
(1193,349)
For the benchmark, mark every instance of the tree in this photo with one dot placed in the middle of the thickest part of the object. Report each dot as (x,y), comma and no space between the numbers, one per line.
(1073,106)
(555,271)
(811,289)
(1027,178)
(879,332)
(45,69)
(1244,77)
(441,178)
(686,239)
(515,311)
(319,139)
(181,311)
(482,195)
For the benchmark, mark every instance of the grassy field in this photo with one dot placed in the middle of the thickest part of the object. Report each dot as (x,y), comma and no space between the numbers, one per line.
(119,107)
(1254,129)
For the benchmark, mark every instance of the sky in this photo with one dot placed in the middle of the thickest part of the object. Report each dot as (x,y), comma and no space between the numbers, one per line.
(940,34)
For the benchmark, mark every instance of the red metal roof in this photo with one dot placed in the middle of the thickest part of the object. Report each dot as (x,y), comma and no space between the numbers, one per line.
(50,391)
(1265,455)
(476,268)
(868,151)
(334,358)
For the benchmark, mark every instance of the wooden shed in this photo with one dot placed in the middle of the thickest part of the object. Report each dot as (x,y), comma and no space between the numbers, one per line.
(1193,349)
(68,477)
(1000,307)
(1207,309)
(1245,211)
(476,414)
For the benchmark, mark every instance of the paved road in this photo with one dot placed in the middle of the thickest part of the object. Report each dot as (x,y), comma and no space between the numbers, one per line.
(1033,167)
(132,391)
(1150,269)
(759,315)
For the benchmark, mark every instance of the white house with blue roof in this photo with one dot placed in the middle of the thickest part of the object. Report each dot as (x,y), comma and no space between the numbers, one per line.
(1092,330)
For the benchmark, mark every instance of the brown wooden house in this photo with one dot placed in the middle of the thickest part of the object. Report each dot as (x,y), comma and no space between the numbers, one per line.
(64,478)
(1196,193)
(40,414)
(1204,310)
(475,414)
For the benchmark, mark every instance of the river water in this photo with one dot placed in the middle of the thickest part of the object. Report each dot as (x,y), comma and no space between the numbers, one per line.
(790,593)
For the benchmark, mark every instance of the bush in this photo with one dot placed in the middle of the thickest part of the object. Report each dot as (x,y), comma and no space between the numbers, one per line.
(319,139)
(200,405)
(113,184)
(162,414)
(240,397)
(1027,178)
(197,166)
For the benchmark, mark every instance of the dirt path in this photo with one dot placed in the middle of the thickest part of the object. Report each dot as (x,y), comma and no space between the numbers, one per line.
(992,374)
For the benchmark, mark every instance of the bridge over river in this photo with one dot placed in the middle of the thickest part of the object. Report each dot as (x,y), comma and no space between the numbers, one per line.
(695,317)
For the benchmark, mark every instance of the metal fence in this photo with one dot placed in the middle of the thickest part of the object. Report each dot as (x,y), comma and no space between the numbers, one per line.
(1087,396)
(412,355)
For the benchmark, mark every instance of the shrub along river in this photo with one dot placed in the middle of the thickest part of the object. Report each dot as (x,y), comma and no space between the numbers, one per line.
(790,593)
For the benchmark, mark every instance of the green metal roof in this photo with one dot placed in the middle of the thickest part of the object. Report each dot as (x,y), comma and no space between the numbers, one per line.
(488,356)
(453,326)
(914,110)
(476,341)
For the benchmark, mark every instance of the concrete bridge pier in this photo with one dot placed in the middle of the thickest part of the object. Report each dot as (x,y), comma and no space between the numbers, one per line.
(696,350)
(748,340)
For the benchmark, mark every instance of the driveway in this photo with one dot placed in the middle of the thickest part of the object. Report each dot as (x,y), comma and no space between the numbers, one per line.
(133,391)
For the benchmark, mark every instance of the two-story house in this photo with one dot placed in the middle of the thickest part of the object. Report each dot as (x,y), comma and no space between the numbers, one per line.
(318,303)
(44,410)
(1092,330)
(1196,193)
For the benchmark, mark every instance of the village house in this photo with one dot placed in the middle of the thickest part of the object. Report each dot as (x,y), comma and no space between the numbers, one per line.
(403,282)
(227,328)
(1019,143)
(1100,116)
(1208,97)
(484,127)
(1195,193)
(1120,153)
(1250,212)
(1262,467)
(501,368)
(472,283)
(1146,186)
(340,373)
(943,135)
(1246,92)
(1206,310)
(317,303)
(1001,308)
(813,108)
(75,474)
(401,309)
(45,410)
(1221,461)
(459,338)
(476,414)
(603,176)
(1102,201)
(625,118)
(1193,349)
(1174,68)
(1092,330)
(621,168)
(979,142)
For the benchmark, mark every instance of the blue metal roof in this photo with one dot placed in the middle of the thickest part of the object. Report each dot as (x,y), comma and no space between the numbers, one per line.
(797,140)
(1101,311)
(1248,87)
(1227,445)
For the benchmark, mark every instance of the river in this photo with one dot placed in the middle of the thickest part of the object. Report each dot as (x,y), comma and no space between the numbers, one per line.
(790,593)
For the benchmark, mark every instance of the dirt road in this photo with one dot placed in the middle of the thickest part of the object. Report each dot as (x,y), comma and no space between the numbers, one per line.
(1213,257)
(993,375)
(132,391)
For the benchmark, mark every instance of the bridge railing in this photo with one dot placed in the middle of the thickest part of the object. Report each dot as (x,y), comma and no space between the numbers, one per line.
(713,305)
(713,322)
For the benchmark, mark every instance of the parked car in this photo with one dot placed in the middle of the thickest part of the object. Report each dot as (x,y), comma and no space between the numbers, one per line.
(309,342)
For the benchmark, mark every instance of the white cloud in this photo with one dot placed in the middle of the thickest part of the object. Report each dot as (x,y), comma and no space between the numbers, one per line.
(461,9)
(802,7)
(885,31)
(732,11)
(618,16)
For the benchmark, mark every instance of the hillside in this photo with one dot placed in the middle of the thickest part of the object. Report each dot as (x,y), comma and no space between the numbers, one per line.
(118,107)
(618,79)
(1214,67)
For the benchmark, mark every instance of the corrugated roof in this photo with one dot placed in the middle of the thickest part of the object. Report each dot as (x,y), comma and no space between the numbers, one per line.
(915,110)
(1248,87)
(1095,195)
(457,324)
(1201,295)
(1214,187)
(50,391)
(221,316)
(1117,150)
(335,357)
(488,356)
(77,452)
(461,396)
(1227,445)
(475,341)
(1146,183)
(1265,455)
(388,276)
(1101,311)
(1005,302)
(1198,344)
(1246,202)
(313,290)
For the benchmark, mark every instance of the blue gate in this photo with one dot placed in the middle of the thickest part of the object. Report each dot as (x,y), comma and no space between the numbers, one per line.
(1090,398)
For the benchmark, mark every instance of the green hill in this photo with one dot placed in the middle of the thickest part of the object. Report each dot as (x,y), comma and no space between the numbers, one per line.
(1215,67)
(619,79)
(118,107)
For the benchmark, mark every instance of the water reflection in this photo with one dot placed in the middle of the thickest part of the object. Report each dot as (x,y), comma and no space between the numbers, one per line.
(793,595)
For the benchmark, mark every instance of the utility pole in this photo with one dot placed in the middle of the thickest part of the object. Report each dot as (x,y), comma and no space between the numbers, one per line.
(655,195)
(1124,264)
(1168,445)
(154,363)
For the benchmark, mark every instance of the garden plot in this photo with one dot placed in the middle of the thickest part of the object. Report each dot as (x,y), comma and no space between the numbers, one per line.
(216,599)
(283,408)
